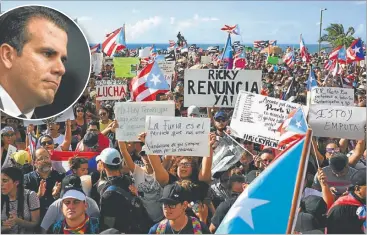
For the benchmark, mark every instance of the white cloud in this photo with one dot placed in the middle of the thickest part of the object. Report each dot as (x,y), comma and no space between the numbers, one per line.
(194,21)
(84,18)
(133,31)
(360,3)
(172,20)
(134,11)
(360,31)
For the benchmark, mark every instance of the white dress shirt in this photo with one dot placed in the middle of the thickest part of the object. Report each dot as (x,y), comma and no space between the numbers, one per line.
(9,105)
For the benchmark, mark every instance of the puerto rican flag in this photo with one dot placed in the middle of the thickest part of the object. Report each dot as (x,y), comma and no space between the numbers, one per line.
(328,64)
(289,59)
(114,42)
(231,29)
(60,159)
(293,128)
(142,86)
(303,51)
(355,51)
(334,54)
(95,49)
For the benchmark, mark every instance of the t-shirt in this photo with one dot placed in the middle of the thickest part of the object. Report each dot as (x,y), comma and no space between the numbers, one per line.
(188,229)
(310,191)
(150,192)
(339,183)
(104,126)
(222,211)
(34,204)
(54,212)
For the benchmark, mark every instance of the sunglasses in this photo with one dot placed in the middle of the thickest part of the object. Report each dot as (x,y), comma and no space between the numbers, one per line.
(44,143)
(8,134)
(185,164)
(102,114)
(80,111)
(332,150)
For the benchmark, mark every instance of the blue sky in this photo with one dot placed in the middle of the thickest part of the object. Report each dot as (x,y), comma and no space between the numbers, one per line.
(200,22)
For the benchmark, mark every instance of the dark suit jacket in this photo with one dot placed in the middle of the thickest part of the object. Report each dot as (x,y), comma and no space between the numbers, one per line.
(34,116)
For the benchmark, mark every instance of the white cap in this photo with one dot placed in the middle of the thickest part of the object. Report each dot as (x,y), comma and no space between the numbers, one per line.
(361,87)
(76,194)
(193,110)
(110,156)
(364,73)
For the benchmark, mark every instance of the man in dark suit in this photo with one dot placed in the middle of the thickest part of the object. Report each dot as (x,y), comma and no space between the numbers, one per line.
(33,49)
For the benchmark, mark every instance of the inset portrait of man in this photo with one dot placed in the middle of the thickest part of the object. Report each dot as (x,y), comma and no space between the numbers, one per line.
(35,46)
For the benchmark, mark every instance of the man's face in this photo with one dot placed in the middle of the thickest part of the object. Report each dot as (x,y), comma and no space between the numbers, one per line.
(174,211)
(93,128)
(53,127)
(221,123)
(43,160)
(331,149)
(266,159)
(73,208)
(38,70)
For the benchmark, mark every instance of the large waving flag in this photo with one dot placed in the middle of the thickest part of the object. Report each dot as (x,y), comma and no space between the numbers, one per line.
(227,56)
(334,54)
(262,198)
(342,56)
(303,50)
(355,51)
(293,128)
(114,42)
(96,48)
(147,92)
(60,159)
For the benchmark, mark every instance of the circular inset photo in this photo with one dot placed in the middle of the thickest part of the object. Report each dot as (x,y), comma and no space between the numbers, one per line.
(45,62)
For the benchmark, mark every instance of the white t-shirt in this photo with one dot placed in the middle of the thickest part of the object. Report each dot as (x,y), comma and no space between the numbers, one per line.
(152,190)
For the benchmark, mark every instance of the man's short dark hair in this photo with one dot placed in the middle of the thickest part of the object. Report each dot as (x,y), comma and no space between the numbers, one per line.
(268,151)
(13,24)
(93,123)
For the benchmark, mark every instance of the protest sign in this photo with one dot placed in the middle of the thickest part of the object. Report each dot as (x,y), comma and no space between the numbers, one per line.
(111,89)
(68,114)
(177,136)
(126,67)
(97,61)
(256,118)
(131,116)
(168,69)
(337,121)
(335,96)
(11,150)
(218,87)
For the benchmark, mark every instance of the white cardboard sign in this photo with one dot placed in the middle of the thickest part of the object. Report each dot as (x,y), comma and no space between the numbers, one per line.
(218,87)
(178,136)
(337,121)
(335,96)
(131,116)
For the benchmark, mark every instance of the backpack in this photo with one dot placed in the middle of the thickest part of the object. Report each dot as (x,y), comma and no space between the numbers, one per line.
(196,226)
(137,211)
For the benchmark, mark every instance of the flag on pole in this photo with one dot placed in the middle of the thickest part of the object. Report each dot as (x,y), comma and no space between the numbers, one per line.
(250,213)
(227,56)
(311,81)
(303,50)
(114,42)
(293,128)
(355,51)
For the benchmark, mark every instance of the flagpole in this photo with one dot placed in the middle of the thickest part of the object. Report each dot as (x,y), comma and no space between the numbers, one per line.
(299,181)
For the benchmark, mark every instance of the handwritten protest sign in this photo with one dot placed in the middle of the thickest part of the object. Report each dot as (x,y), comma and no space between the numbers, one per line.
(111,89)
(168,69)
(218,87)
(131,116)
(68,114)
(256,118)
(178,136)
(337,121)
(335,96)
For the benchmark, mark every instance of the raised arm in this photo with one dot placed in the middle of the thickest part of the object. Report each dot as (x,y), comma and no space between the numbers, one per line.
(67,141)
(126,155)
(343,143)
(205,174)
(357,152)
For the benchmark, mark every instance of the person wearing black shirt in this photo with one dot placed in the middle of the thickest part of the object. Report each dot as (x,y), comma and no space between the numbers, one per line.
(237,185)
(348,213)
(175,201)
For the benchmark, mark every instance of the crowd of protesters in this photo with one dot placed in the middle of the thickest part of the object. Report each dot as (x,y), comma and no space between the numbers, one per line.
(132,192)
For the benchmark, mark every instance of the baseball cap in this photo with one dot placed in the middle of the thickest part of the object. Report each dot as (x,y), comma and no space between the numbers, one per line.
(221,114)
(70,181)
(143,151)
(110,156)
(193,110)
(75,194)
(359,178)
(90,139)
(174,194)
(338,162)
(7,129)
